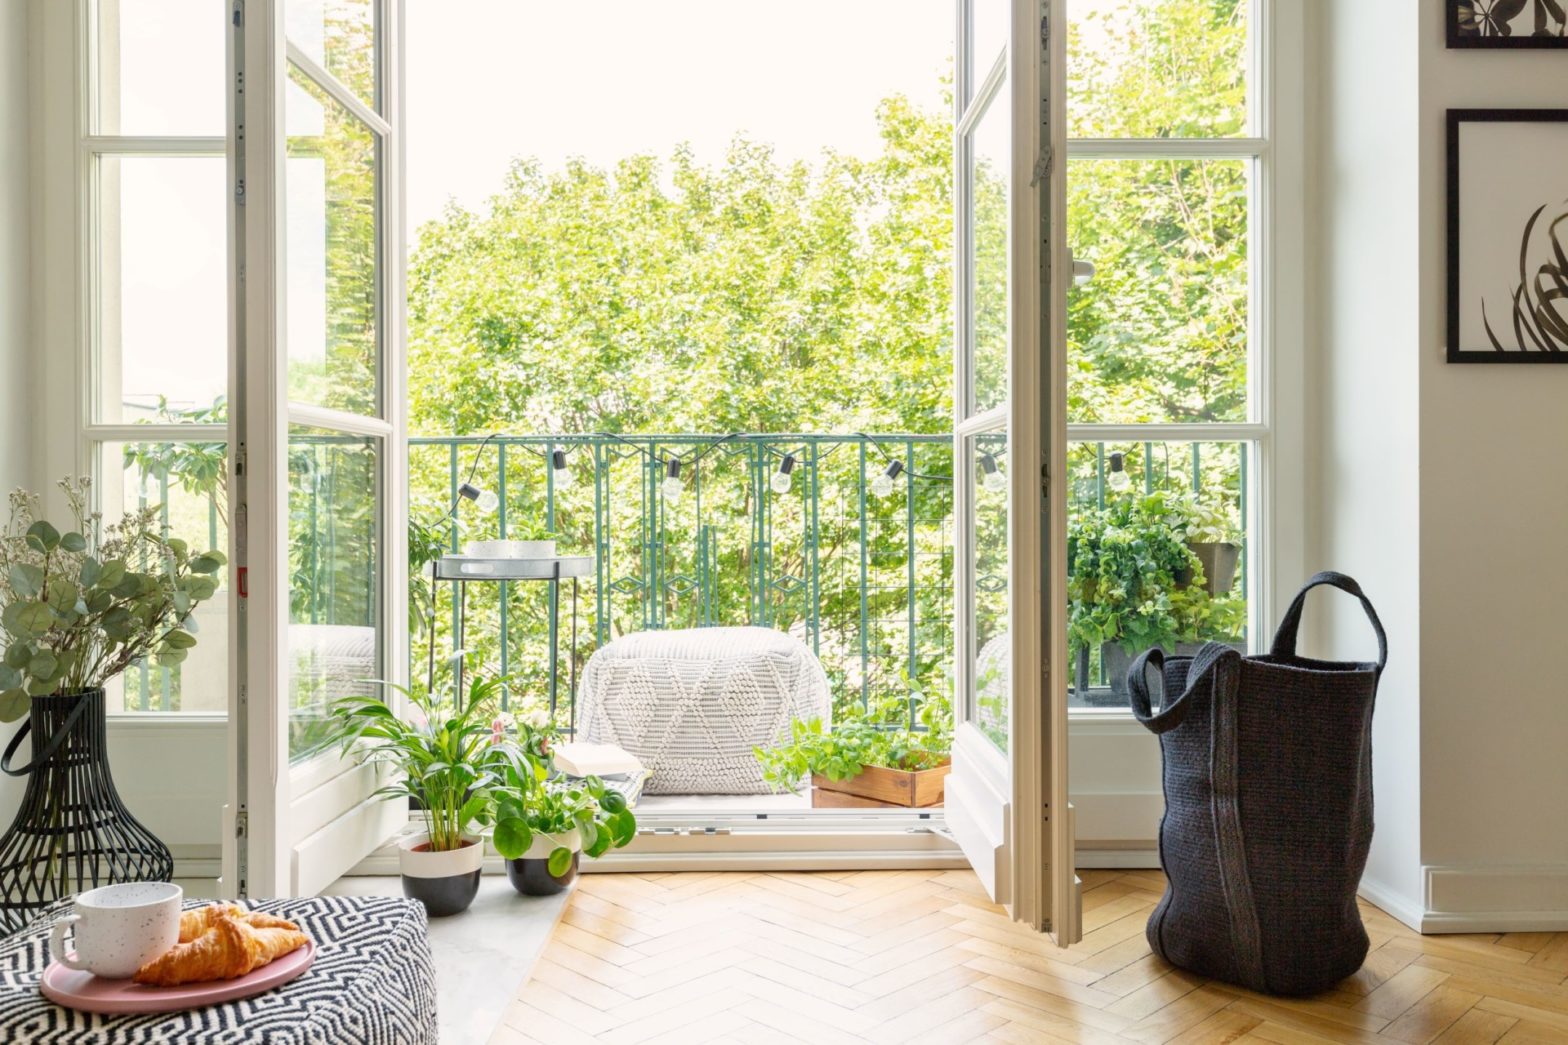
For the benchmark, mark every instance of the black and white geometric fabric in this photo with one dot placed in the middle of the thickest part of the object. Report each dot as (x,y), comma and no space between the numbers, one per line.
(372,983)
(693,704)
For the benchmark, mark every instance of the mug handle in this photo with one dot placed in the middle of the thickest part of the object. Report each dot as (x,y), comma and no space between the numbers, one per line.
(57,942)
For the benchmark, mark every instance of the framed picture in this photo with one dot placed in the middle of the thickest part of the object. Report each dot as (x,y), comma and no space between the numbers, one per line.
(1507,23)
(1508,235)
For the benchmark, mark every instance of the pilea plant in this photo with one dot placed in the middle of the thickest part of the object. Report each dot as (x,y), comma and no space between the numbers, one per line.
(878,736)
(82,606)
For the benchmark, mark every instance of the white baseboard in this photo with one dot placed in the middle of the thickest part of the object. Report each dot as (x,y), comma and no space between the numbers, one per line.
(1118,859)
(1494,899)
(1391,902)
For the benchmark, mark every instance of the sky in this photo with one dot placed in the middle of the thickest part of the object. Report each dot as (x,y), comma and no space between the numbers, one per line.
(490,80)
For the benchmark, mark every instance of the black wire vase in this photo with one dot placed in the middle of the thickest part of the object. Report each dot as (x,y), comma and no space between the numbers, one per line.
(72,832)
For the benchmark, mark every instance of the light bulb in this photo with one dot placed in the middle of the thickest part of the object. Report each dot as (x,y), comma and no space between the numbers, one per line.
(672,486)
(563,474)
(1118,479)
(992,476)
(487,501)
(882,485)
(781,481)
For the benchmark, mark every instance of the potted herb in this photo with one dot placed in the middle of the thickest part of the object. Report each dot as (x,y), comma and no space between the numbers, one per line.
(545,823)
(870,757)
(78,608)
(449,761)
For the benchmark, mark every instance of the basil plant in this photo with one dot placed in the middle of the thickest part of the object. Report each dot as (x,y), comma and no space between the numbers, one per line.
(78,608)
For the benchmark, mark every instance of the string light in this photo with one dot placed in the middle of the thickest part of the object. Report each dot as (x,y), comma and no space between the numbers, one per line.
(484,500)
(1118,479)
(992,477)
(882,485)
(672,485)
(563,474)
(780,483)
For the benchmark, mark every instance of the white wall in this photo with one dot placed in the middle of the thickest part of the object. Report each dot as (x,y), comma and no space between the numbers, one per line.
(1435,485)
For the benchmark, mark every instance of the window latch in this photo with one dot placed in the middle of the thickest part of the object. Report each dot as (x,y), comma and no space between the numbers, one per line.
(1042,167)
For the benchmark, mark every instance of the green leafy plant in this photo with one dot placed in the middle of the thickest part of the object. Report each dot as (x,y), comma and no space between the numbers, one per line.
(878,736)
(80,607)
(451,761)
(1134,580)
(552,808)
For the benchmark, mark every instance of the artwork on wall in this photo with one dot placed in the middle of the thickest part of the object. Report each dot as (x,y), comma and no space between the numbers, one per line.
(1508,235)
(1507,23)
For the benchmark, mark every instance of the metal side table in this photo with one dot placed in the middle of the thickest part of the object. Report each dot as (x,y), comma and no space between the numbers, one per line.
(461,570)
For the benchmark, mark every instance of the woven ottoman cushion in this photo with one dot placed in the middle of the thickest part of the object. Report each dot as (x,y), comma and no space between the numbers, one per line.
(692,704)
(372,983)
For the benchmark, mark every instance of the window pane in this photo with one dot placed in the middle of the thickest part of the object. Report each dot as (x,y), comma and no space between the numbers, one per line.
(333,272)
(1155,545)
(187,483)
(992,639)
(162,289)
(160,67)
(989,36)
(1156,68)
(1160,333)
(334,620)
(988,263)
(340,36)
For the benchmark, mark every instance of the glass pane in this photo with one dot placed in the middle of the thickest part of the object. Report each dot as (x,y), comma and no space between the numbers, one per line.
(992,640)
(339,36)
(1160,333)
(1156,556)
(333,246)
(988,264)
(160,67)
(1156,68)
(334,620)
(162,289)
(187,484)
(990,36)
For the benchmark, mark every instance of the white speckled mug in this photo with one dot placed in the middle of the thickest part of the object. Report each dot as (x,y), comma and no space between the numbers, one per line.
(119,928)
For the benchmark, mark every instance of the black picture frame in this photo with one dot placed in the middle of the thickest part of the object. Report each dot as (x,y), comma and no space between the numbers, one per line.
(1524,19)
(1457,352)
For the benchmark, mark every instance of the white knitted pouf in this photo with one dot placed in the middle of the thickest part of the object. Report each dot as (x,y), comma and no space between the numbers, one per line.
(692,704)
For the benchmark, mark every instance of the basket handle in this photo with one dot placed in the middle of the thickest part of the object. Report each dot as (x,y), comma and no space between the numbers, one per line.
(49,748)
(1285,637)
(1207,662)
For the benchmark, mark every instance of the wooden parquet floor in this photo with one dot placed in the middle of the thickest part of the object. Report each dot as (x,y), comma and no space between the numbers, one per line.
(924,957)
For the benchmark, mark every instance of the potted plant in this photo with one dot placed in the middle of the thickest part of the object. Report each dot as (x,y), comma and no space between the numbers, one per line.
(528,541)
(1135,583)
(1209,533)
(870,757)
(449,761)
(77,609)
(546,822)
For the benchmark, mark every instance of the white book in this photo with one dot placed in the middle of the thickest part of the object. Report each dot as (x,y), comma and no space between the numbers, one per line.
(601,760)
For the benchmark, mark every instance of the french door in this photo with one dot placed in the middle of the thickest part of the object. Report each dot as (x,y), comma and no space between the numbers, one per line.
(1007,794)
(318,472)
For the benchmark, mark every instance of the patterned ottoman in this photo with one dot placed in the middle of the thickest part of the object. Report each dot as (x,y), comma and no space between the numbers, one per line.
(692,704)
(372,983)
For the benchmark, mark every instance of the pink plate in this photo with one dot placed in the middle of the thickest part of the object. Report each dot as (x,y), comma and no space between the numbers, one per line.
(82,990)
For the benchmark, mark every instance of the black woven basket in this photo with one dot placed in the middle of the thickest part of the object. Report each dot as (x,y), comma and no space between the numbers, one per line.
(1268,807)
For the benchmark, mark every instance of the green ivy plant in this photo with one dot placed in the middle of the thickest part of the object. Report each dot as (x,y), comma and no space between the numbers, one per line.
(1134,580)
(877,736)
(78,608)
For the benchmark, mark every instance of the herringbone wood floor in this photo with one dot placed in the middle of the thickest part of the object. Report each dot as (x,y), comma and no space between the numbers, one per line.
(923,956)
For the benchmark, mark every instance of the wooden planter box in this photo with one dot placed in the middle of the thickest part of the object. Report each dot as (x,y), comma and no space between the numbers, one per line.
(878,786)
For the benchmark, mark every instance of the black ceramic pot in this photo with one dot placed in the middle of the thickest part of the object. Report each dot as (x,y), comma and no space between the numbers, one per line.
(530,873)
(445,882)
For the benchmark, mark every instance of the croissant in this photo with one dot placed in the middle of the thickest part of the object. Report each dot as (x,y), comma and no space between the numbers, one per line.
(229,949)
(194,923)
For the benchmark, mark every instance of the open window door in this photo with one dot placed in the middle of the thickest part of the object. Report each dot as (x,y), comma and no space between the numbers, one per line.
(320,464)
(1007,793)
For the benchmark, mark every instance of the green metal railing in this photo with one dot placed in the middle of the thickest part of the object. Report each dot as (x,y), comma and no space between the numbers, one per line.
(865,581)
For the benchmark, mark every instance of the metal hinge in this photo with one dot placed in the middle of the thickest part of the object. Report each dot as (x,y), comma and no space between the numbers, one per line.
(241,824)
(239,13)
(239,192)
(1042,167)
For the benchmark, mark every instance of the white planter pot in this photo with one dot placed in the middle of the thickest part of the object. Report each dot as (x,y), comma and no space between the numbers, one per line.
(544,845)
(445,882)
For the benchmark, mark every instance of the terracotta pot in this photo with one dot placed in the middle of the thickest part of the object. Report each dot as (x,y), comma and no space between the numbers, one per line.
(530,873)
(446,881)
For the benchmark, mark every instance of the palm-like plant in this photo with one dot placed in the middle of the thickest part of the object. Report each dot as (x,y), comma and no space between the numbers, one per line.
(449,759)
